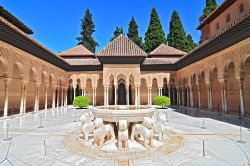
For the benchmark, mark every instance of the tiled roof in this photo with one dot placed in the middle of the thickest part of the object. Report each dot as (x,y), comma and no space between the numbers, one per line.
(79,50)
(13,20)
(83,61)
(121,46)
(164,49)
(221,8)
(159,61)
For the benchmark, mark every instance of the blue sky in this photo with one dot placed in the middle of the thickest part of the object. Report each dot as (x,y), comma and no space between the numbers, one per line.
(56,23)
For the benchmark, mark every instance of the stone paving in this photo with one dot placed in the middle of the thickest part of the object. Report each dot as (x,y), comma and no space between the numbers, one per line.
(44,146)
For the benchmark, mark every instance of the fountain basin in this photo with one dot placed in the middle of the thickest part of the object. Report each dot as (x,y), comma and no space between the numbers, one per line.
(128,113)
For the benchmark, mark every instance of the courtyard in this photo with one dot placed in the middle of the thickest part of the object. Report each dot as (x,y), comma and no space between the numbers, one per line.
(39,139)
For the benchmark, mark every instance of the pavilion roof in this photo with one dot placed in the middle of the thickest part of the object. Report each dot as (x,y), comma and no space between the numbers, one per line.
(159,61)
(165,50)
(121,46)
(77,51)
(13,20)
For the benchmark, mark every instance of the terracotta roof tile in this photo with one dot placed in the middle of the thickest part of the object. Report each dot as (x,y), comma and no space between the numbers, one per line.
(159,61)
(121,46)
(79,50)
(164,49)
(83,61)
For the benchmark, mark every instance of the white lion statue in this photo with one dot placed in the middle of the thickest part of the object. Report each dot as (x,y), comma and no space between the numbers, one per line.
(145,130)
(101,131)
(123,135)
(158,125)
(87,126)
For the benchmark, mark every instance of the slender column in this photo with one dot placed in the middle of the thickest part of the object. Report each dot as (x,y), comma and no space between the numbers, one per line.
(188,99)
(21,105)
(108,96)
(62,98)
(139,96)
(58,96)
(36,97)
(105,96)
(191,96)
(74,91)
(24,97)
(183,96)
(169,92)
(173,92)
(82,92)
(178,100)
(242,102)
(115,94)
(224,95)
(127,95)
(136,96)
(66,98)
(93,96)
(46,98)
(53,97)
(6,96)
(209,88)
(199,96)
(148,96)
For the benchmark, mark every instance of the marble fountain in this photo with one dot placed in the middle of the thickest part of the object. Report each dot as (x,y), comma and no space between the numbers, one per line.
(124,133)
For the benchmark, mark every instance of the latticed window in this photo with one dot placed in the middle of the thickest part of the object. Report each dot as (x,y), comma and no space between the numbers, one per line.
(241,8)
(217,26)
(228,18)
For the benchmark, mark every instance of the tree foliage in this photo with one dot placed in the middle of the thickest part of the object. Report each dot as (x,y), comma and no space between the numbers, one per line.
(133,33)
(155,35)
(177,37)
(210,6)
(162,101)
(87,29)
(81,102)
(118,31)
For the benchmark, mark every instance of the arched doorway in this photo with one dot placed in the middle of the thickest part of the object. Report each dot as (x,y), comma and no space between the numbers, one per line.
(121,94)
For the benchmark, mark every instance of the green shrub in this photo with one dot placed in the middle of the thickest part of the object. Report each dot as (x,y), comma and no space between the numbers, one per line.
(162,101)
(81,102)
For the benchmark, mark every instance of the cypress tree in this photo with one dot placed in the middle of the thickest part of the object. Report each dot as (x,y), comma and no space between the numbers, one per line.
(133,33)
(87,30)
(117,32)
(155,34)
(190,43)
(210,6)
(177,35)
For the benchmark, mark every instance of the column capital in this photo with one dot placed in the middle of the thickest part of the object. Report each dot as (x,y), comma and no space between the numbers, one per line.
(7,80)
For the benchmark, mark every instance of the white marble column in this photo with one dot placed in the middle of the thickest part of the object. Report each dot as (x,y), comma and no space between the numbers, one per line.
(108,96)
(242,101)
(188,99)
(139,96)
(6,96)
(148,96)
(183,96)
(136,96)
(127,93)
(191,96)
(94,96)
(46,98)
(224,95)
(178,95)
(66,98)
(115,94)
(173,92)
(74,91)
(36,97)
(82,92)
(169,92)
(105,96)
(57,96)
(62,98)
(53,97)
(209,88)
(199,96)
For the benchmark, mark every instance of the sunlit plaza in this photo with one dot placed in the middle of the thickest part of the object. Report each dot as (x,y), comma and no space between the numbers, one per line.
(179,98)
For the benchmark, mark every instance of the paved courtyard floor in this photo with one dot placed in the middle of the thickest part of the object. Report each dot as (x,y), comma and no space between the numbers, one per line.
(44,146)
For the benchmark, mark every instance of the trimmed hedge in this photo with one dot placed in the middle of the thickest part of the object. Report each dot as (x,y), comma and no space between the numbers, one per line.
(162,101)
(81,102)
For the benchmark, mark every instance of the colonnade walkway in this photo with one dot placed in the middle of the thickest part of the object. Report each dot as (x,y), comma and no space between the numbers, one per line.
(216,115)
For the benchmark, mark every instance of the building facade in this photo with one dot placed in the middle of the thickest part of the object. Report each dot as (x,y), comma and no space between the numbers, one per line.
(214,76)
